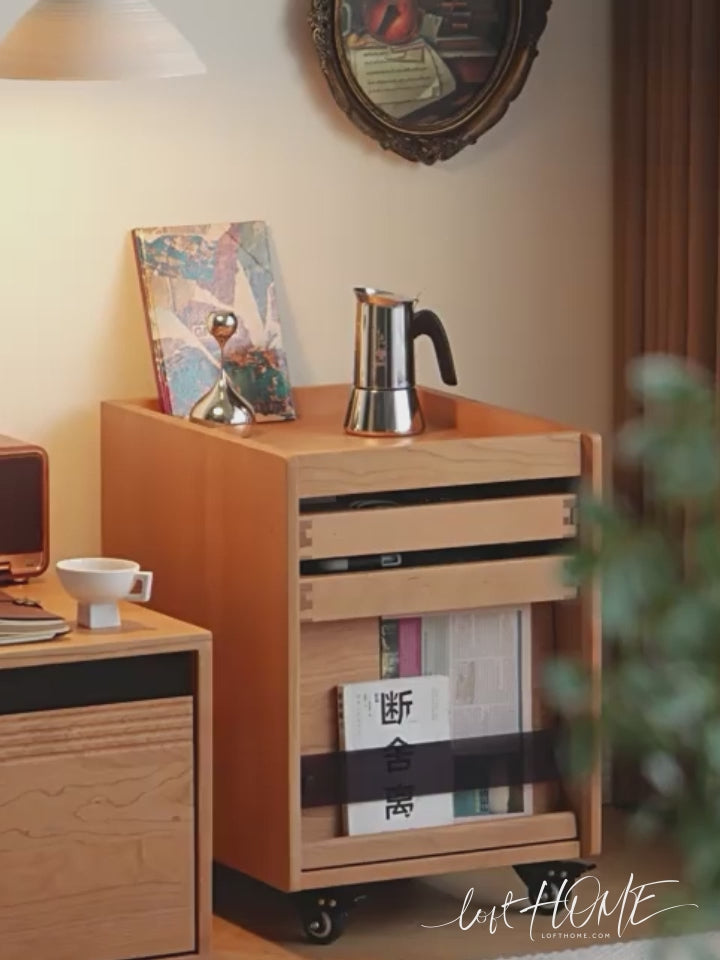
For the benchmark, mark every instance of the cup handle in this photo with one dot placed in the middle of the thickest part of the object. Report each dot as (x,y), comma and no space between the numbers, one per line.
(141,588)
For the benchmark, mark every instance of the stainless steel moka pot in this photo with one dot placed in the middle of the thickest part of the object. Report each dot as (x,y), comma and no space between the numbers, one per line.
(384,401)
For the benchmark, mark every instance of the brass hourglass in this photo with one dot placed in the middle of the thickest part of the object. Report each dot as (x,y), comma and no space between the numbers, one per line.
(222,404)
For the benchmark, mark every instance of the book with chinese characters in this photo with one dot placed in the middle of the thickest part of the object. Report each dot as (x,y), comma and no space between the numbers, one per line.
(390,717)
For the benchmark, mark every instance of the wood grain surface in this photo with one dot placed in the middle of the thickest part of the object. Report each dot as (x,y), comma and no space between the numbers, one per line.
(105,811)
(331,653)
(480,834)
(439,526)
(97,833)
(218,542)
(461,586)
(444,863)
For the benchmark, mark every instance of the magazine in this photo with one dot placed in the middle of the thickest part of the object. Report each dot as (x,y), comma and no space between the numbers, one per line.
(487,655)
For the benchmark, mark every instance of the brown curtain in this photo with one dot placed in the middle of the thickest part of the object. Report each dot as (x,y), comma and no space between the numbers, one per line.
(667,180)
(667,175)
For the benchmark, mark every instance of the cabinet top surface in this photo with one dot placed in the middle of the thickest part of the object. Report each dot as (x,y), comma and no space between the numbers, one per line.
(318,428)
(143,631)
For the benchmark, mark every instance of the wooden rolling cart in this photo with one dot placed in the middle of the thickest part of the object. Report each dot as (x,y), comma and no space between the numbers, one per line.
(226,523)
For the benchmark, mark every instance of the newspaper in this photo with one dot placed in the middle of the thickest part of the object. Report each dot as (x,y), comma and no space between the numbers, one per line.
(487,654)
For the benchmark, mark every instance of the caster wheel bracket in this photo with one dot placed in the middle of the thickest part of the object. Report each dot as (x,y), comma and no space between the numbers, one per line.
(324,913)
(546,882)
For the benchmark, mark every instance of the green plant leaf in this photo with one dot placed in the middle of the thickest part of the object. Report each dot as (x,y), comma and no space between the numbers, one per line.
(568,685)
(659,570)
(712,744)
(687,625)
(664,772)
(665,379)
(636,576)
(576,747)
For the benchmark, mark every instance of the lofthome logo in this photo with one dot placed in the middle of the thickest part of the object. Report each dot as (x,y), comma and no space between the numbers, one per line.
(577,909)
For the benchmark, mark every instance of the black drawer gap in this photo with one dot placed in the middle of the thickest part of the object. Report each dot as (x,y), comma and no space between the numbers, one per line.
(428,558)
(92,683)
(428,495)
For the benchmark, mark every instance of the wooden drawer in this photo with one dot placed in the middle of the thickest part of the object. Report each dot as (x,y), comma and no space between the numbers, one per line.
(438,526)
(461,586)
(97,832)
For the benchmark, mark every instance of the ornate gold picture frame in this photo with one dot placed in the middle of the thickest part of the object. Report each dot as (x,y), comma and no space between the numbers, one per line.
(425,78)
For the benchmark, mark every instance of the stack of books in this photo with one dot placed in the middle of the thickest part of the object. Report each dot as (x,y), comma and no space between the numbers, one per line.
(23,620)
(479,663)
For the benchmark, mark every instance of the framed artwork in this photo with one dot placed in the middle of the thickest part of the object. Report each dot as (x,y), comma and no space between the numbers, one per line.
(425,78)
(187,273)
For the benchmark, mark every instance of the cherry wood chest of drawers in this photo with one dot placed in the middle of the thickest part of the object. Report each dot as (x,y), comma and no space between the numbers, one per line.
(105,790)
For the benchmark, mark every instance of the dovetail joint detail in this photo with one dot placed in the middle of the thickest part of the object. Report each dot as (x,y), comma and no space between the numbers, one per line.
(306,598)
(570,518)
(306,538)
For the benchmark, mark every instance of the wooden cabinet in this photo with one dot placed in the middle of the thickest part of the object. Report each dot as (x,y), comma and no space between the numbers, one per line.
(104,791)
(235,529)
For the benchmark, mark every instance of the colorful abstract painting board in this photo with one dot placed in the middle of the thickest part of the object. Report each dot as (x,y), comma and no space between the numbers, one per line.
(186,273)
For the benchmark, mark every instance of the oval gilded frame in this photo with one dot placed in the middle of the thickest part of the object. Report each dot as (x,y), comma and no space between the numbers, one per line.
(429,142)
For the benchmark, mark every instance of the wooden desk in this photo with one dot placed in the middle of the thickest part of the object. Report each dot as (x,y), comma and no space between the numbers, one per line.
(105,790)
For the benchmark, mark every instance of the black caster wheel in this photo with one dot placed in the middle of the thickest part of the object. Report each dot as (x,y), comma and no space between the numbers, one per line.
(325,914)
(546,882)
(324,923)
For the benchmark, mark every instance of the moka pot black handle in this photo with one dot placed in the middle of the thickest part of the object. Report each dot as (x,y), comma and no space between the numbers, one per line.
(428,323)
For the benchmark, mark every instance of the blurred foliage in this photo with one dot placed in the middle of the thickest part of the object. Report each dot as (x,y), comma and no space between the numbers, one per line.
(659,570)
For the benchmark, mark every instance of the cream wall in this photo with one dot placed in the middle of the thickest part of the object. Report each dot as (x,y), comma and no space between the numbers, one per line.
(510,241)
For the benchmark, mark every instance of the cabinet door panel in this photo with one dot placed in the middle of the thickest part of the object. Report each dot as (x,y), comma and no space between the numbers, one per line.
(97,825)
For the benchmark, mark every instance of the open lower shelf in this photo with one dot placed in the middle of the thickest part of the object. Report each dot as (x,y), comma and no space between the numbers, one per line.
(476,835)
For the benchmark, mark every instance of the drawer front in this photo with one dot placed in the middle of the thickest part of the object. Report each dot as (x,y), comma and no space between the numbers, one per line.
(438,526)
(433,589)
(396,465)
(97,832)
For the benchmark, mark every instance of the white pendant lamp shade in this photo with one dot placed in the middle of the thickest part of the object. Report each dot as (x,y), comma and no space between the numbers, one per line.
(95,40)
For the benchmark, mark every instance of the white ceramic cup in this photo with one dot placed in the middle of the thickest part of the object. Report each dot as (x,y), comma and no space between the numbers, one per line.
(98,583)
